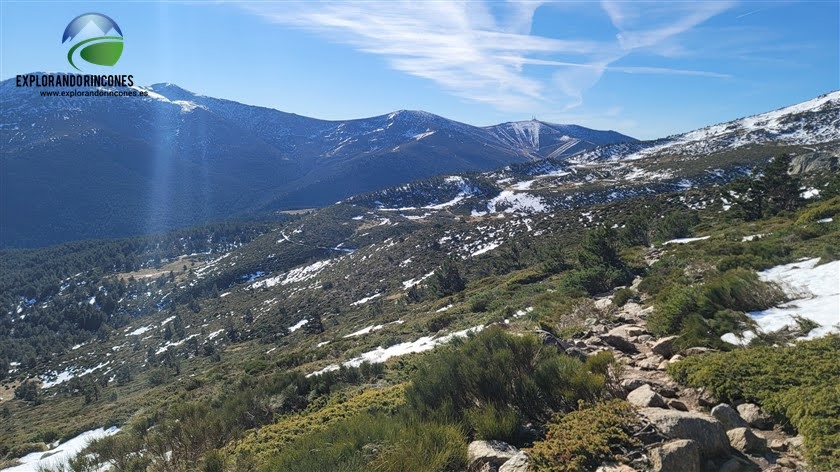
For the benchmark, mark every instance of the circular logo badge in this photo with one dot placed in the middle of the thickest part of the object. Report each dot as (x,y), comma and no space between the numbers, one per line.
(95,38)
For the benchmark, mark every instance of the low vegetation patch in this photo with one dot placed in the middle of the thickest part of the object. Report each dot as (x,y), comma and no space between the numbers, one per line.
(797,384)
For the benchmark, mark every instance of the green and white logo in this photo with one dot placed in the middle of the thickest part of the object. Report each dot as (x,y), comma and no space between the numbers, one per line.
(96,38)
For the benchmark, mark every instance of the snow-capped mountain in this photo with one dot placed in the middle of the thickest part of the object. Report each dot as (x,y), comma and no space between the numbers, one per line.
(81,167)
(708,156)
(550,140)
(811,122)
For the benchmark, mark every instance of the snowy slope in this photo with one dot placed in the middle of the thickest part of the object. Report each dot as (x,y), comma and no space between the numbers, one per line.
(810,122)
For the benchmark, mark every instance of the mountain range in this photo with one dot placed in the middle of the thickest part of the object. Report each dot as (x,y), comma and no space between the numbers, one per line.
(76,168)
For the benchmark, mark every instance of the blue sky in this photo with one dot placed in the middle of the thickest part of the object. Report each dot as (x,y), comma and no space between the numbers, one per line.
(645,69)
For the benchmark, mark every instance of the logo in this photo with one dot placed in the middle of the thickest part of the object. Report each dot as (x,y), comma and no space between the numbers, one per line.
(94,37)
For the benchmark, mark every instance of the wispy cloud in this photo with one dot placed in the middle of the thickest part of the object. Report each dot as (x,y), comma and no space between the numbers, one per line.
(478,51)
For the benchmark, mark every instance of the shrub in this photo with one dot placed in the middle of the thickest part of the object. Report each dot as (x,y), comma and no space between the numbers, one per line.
(374,441)
(622,296)
(502,370)
(826,209)
(584,439)
(489,422)
(797,383)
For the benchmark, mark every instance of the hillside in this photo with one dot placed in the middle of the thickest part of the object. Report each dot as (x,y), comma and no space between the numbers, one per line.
(575,310)
(175,159)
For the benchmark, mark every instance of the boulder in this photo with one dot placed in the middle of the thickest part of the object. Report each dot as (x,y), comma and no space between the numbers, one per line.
(675,358)
(676,405)
(664,347)
(549,339)
(744,440)
(627,331)
(696,351)
(778,444)
(667,392)
(681,455)
(644,338)
(517,463)
(644,396)
(728,417)
(737,465)
(649,363)
(754,416)
(703,429)
(618,342)
(632,384)
(492,453)
(615,468)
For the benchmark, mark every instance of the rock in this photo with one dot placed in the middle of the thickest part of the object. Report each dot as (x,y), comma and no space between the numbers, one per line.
(728,417)
(577,352)
(744,440)
(754,416)
(627,331)
(667,392)
(794,442)
(618,342)
(706,431)
(696,351)
(649,363)
(517,463)
(579,343)
(493,453)
(644,396)
(677,405)
(632,384)
(663,365)
(681,455)
(664,347)
(603,303)
(736,465)
(676,358)
(778,444)
(705,398)
(644,338)
(632,309)
(647,311)
(549,339)
(615,468)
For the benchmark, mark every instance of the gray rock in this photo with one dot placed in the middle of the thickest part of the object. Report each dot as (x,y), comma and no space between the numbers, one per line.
(778,444)
(737,465)
(517,463)
(632,384)
(744,440)
(706,431)
(728,417)
(664,347)
(644,338)
(549,339)
(676,358)
(618,342)
(650,363)
(696,351)
(644,396)
(667,392)
(627,331)
(681,455)
(754,416)
(493,453)
(615,468)
(794,442)
(677,405)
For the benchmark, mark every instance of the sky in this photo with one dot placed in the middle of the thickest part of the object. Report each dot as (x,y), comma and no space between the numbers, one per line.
(644,69)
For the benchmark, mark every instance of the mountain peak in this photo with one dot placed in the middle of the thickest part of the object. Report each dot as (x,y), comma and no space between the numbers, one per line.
(171,91)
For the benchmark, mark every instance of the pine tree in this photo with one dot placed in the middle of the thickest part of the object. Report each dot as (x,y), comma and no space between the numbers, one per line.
(447,279)
(782,189)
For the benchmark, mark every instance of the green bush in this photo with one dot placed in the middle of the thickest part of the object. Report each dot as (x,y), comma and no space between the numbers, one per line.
(701,314)
(796,383)
(490,422)
(584,439)
(502,370)
(622,296)
(374,441)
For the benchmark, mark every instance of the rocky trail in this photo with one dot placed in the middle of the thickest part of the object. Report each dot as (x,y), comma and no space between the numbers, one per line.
(685,429)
